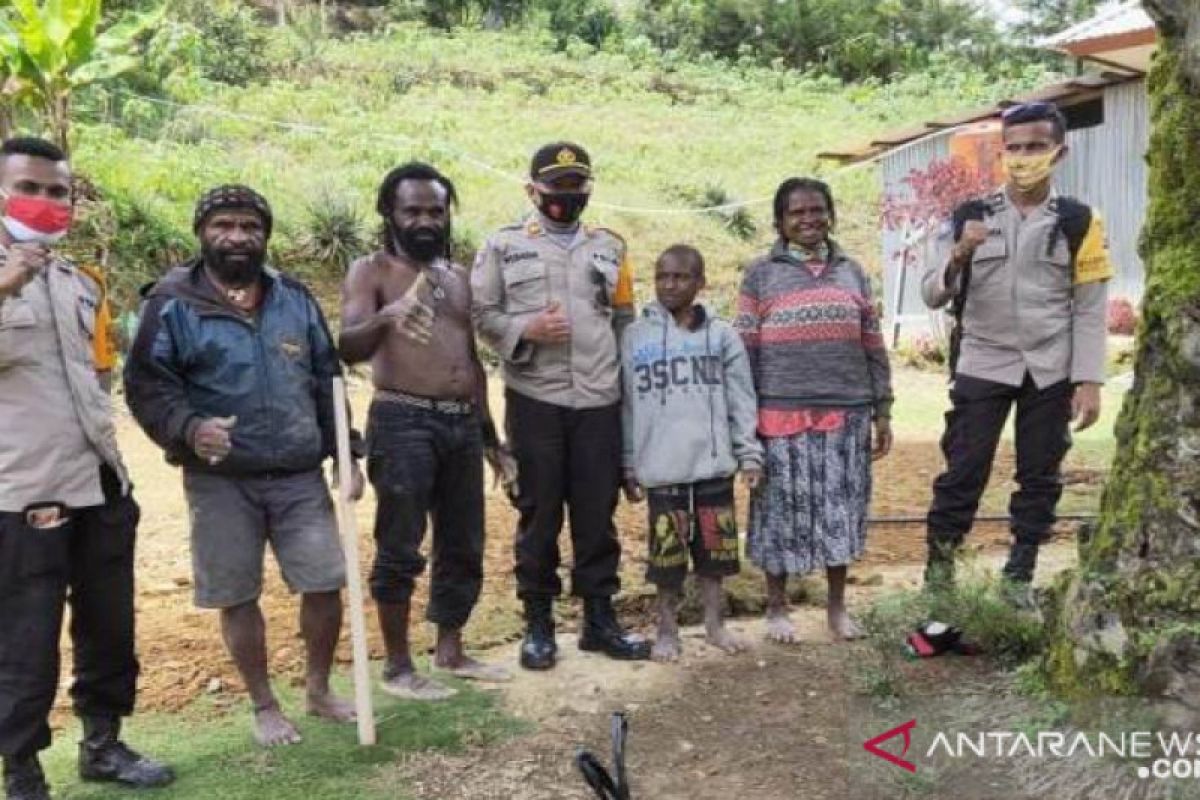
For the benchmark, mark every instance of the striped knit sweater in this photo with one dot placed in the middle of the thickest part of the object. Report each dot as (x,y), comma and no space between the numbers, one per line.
(814,341)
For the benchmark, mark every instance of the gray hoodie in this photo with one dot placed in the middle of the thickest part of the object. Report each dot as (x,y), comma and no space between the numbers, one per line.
(689,410)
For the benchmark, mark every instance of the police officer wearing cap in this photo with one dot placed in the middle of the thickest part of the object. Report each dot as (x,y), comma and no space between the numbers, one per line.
(551,297)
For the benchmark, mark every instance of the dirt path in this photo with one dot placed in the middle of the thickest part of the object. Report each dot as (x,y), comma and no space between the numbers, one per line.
(712,726)
(771,724)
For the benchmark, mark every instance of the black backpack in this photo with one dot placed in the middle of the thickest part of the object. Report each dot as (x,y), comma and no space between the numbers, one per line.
(1074,220)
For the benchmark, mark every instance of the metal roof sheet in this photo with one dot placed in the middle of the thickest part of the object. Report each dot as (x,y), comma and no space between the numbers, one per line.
(1123,18)
(1066,93)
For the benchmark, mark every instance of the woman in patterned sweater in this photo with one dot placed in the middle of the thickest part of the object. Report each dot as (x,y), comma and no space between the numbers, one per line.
(821,370)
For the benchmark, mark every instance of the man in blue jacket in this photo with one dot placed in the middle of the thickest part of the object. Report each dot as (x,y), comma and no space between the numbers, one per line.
(230,374)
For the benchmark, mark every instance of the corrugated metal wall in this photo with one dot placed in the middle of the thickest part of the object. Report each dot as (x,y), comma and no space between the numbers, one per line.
(1106,168)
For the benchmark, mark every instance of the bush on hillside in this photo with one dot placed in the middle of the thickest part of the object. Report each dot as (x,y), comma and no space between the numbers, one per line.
(720,205)
(852,39)
(335,234)
(130,238)
(234,44)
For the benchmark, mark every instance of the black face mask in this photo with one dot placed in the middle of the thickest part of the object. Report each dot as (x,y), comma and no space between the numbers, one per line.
(235,273)
(422,244)
(563,207)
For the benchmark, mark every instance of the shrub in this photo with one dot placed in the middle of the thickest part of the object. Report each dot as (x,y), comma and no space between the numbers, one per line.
(1122,317)
(130,238)
(923,351)
(975,605)
(234,44)
(335,234)
(737,222)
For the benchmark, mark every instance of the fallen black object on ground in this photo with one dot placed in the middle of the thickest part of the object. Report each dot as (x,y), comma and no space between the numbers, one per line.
(935,638)
(606,786)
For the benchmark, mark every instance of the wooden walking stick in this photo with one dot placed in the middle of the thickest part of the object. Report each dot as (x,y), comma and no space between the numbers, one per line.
(349,528)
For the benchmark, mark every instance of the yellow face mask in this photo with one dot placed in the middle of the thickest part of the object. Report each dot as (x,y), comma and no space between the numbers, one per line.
(1031,172)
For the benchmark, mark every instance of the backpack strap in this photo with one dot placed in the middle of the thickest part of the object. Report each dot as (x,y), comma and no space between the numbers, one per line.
(1074,220)
(970,210)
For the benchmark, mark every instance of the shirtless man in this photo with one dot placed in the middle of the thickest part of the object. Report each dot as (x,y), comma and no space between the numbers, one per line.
(406,309)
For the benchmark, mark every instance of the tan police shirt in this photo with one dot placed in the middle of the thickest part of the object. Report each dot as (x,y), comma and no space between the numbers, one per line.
(1028,308)
(56,426)
(518,274)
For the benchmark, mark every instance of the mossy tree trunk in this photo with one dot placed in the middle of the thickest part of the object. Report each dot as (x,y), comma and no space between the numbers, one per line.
(1128,621)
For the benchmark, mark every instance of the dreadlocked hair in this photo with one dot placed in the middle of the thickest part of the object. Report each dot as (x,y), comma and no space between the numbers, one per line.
(385,201)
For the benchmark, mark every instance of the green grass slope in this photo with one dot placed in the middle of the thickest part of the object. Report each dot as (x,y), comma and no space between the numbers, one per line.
(663,134)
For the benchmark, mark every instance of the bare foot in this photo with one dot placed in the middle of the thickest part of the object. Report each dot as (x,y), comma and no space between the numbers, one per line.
(780,628)
(470,669)
(667,648)
(724,639)
(273,729)
(842,627)
(331,707)
(411,686)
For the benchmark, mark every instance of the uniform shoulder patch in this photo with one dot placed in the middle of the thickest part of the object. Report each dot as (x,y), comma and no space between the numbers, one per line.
(1092,262)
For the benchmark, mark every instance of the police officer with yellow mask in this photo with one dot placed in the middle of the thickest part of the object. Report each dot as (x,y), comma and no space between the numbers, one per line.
(1027,283)
(551,297)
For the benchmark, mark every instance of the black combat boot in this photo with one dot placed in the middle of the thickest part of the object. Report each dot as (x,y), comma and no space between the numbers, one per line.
(24,779)
(939,564)
(104,757)
(539,649)
(1018,575)
(602,633)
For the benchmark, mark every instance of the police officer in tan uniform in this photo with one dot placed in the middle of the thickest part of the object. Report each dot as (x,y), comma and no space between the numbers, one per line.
(68,520)
(1027,279)
(551,297)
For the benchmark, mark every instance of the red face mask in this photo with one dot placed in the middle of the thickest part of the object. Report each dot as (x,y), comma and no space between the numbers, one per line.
(36,219)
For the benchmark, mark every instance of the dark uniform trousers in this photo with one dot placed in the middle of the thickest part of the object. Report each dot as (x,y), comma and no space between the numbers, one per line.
(573,457)
(88,562)
(973,428)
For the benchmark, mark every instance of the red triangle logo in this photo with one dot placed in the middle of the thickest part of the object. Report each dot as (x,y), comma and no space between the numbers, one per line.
(905,730)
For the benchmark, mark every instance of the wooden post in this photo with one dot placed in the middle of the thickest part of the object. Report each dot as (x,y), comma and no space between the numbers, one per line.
(349,528)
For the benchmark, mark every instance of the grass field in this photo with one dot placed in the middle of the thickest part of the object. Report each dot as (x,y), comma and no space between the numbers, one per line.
(214,757)
(662,132)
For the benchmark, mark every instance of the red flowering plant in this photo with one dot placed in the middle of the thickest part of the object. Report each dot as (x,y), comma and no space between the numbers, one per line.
(1122,317)
(927,202)
(933,194)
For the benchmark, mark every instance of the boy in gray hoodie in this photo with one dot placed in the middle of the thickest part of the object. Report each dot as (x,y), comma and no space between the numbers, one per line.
(689,417)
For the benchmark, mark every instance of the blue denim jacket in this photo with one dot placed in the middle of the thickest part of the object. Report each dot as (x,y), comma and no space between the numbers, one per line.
(195,356)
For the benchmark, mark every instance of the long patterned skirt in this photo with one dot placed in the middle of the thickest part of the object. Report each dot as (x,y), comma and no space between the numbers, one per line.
(811,512)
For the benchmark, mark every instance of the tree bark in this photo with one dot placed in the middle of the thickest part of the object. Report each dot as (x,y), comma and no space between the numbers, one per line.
(1128,620)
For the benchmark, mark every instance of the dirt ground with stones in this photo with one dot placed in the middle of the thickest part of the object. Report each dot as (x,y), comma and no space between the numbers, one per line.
(770,724)
(181,649)
(774,723)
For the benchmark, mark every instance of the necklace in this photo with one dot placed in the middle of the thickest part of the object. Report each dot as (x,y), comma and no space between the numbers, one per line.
(439,294)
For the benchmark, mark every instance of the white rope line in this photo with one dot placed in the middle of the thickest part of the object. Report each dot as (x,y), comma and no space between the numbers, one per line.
(468,158)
